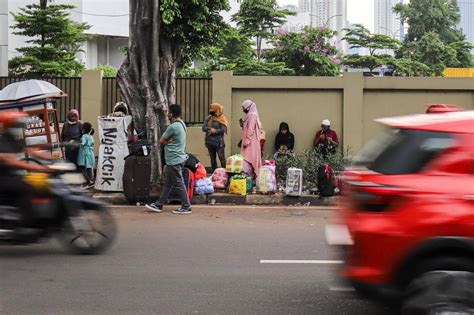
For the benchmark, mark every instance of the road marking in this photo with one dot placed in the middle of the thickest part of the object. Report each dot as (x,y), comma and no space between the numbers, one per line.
(318,262)
(341,289)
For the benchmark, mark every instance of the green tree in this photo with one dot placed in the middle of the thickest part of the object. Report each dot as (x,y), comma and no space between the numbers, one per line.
(307,53)
(54,41)
(433,37)
(259,19)
(164,34)
(107,70)
(361,37)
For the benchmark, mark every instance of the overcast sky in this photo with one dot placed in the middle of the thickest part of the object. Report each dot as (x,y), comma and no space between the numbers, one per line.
(358,11)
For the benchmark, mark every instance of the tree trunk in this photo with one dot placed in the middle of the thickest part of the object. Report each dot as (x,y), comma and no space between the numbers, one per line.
(147,77)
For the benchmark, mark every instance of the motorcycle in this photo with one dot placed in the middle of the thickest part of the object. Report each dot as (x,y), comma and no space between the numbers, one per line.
(82,224)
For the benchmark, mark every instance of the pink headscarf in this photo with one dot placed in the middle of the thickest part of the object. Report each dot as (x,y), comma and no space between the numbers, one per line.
(252,110)
(72,112)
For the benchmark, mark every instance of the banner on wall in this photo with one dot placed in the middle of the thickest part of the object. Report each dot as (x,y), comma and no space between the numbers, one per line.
(113,148)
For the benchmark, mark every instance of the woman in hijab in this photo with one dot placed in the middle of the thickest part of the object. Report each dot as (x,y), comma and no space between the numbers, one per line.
(250,147)
(284,141)
(72,133)
(215,126)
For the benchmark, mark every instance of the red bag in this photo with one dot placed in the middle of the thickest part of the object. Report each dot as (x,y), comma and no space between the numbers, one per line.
(200,172)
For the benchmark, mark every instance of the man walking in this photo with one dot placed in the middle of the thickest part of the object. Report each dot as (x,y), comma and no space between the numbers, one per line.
(174,141)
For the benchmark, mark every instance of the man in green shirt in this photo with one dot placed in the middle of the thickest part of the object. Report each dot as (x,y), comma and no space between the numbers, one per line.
(174,141)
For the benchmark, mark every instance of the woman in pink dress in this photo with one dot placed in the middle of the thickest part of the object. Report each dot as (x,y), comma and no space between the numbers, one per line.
(250,148)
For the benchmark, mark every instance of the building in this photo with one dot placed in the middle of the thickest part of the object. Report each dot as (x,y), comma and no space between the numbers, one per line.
(386,22)
(328,13)
(466,9)
(109,27)
(3,38)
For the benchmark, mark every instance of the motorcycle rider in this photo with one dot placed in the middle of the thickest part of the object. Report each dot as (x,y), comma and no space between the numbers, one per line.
(12,184)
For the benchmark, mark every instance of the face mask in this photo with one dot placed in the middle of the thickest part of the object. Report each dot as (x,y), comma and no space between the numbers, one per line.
(212,113)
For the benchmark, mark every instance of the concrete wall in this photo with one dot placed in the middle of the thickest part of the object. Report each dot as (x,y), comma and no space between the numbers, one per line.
(351,102)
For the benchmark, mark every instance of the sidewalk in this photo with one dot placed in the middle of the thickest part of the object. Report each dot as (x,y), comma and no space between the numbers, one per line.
(226,198)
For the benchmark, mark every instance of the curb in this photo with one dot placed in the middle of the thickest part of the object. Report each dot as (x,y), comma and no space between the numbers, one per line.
(223,198)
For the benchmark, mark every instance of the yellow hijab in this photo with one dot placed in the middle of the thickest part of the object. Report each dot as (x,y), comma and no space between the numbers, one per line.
(219,115)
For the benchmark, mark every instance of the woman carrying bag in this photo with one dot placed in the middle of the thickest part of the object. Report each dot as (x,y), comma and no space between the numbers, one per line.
(215,126)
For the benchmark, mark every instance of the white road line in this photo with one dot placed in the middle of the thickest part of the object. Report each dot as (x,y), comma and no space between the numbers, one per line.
(318,262)
(341,289)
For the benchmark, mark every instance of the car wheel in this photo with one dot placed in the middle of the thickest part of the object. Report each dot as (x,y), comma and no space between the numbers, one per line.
(440,293)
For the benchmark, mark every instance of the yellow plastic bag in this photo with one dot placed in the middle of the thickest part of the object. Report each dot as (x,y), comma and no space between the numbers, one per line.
(238,186)
(235,164)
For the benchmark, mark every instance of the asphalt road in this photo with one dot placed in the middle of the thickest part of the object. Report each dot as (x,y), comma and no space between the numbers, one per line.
(204,263)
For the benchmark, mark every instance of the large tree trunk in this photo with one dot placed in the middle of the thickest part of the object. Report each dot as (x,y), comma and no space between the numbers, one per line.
(147,76)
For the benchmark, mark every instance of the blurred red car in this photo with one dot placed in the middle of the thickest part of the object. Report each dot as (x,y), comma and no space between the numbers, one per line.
(407,224)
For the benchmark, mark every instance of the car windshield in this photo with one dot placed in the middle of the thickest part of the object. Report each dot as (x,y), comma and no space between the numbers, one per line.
(402,151)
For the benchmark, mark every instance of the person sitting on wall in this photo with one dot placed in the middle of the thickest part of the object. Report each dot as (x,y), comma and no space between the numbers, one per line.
(284,141)
(326,140)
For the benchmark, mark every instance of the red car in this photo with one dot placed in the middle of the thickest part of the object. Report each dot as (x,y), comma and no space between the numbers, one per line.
(407,223)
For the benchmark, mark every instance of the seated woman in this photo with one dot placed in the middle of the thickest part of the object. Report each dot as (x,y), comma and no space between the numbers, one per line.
(284,141)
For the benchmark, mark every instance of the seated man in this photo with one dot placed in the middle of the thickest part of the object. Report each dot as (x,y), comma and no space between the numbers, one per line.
(326,139)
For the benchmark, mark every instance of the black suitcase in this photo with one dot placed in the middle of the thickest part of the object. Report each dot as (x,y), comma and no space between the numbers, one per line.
(136,178)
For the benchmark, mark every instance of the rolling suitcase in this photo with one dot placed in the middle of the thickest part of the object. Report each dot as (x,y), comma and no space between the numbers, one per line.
(136,178)
(188,177)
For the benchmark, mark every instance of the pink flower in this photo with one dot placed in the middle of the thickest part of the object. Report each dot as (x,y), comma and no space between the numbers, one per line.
(338,61)
(306,49)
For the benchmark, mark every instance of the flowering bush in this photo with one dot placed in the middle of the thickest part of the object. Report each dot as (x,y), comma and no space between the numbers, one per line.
(307,53)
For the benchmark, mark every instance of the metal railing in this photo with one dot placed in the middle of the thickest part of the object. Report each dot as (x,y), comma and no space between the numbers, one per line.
(193,94)
(69,85)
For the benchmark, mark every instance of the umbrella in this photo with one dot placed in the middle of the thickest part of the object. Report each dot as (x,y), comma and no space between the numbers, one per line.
(27,89)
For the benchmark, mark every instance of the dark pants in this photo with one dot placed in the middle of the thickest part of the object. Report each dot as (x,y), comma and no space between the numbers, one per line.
(220,152)
(87,172)
(173,175)
(19,194)
(71,155)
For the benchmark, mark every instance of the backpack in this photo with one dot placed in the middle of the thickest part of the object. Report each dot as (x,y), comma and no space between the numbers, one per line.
(327,181)
(192,162)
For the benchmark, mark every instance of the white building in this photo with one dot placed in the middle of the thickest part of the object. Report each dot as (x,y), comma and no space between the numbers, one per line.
(327,13)
(385,20)
(466,8)
(3,38)
(109,27)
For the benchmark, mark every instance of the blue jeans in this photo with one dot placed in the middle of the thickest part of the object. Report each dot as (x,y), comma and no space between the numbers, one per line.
(173,175)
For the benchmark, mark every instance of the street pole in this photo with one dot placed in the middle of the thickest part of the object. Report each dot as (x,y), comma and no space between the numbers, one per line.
(327,21)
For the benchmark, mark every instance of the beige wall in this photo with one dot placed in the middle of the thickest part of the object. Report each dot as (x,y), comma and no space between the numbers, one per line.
(351,102)
(384,103)
(300,109)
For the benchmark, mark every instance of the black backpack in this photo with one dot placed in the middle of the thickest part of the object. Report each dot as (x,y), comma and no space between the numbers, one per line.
(327,181)
(192,162)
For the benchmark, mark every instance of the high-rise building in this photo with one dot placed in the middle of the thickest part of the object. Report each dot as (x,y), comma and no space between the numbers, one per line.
(3,38)
(466,8)
(328,13)
(386,21)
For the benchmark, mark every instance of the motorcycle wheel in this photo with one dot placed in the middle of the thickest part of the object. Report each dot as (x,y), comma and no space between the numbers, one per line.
(94,232)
